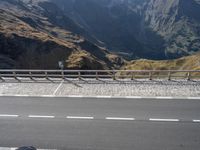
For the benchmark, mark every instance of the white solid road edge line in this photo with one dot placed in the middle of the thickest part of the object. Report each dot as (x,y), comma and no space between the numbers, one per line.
(78,117)
(6,115)
(118,118)
(133,97)
(45,149)
(192,98)
(15,148)
(168,120)
(38,116)
(8,148)
(99,96)
(162,97)
(198,121)
(74,96)
(103,96)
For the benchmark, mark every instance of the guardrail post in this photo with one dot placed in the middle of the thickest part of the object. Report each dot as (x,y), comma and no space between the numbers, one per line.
(132,76)
(62,74)
(1,77)
(169,76)
(30,74)
(114,77)
(188,76)
(79,75)
(15,75)
(46,75)
(97,77)
(150,75)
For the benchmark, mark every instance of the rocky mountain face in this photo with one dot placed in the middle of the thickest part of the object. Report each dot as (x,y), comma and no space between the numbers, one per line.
(178,22)
(37,34)
(85,33)
(156,29)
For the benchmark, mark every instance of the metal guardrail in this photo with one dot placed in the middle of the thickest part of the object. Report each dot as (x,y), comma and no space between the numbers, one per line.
(114,74)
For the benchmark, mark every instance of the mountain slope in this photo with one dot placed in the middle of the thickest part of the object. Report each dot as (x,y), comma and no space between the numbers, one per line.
(38,35)
(178,22)
(156,29)
(185,63)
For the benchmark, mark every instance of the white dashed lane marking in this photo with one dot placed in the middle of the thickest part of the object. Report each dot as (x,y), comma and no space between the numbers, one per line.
(6,115)
(167,120)
(197,121)
(117,118)
(79,117)
(106,118)
(38,116)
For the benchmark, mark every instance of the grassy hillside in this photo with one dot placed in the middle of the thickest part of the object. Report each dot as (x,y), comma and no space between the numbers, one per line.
(184,63)
(32,41)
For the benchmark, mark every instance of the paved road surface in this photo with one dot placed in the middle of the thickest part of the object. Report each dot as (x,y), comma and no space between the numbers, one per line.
(100,124)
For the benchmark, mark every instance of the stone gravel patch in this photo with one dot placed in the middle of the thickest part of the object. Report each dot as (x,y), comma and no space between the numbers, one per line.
(102,87)
(132,88)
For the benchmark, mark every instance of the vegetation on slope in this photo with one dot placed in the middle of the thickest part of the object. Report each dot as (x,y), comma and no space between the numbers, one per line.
(184,63)
(29,40)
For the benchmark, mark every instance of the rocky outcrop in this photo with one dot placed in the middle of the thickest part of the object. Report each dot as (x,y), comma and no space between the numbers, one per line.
(178,23)
(39,33)
(37,36)
(156,29)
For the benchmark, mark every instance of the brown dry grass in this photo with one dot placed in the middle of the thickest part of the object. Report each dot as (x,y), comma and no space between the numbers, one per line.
(184,63)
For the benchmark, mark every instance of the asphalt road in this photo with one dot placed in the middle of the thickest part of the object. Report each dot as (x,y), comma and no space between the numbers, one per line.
(100,124)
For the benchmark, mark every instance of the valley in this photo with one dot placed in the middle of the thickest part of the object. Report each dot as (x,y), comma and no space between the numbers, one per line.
(99,34)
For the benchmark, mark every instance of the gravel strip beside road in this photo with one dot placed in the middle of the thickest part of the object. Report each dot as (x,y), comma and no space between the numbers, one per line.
(132,88)
(108,87)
